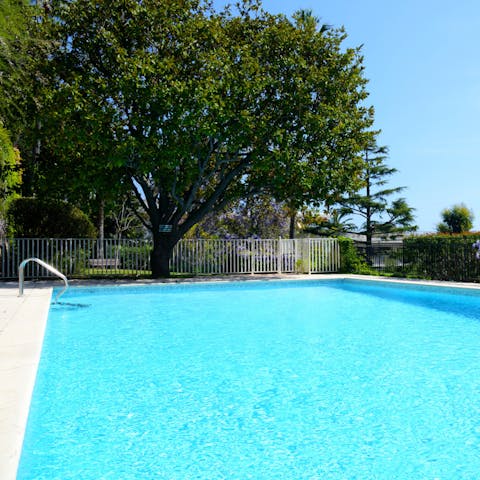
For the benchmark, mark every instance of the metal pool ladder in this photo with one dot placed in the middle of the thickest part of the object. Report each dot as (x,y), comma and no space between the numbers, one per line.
(21,275)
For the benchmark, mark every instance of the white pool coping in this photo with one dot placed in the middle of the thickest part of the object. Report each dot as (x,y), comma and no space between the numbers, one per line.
(22,327)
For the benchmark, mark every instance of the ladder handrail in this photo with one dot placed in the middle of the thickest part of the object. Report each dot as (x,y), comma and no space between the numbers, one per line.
(21,275)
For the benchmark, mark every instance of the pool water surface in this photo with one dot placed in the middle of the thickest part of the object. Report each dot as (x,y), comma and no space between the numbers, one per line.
(258,380)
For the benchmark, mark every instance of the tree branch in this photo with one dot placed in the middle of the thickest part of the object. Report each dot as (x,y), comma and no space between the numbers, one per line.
(135,212)
(209,204)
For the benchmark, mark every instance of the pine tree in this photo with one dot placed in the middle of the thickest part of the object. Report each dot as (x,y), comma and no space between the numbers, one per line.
(372,204)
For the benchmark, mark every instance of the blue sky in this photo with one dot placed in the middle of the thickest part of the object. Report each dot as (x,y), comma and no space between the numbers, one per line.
(423,64)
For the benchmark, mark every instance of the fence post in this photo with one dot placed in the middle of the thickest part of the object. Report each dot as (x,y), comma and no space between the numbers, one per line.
(252,256)
(309,256)
(279,256)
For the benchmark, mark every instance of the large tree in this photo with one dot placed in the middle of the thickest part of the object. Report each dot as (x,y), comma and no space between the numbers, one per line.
(372,204)
(199,108)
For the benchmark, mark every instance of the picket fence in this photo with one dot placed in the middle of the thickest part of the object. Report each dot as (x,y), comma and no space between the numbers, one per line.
(89,257)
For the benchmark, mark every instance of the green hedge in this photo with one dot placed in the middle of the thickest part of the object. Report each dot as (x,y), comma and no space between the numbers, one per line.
(442,257)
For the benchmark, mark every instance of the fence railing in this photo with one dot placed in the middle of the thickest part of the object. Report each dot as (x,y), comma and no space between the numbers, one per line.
(385,257)
(89,257)
(442,258)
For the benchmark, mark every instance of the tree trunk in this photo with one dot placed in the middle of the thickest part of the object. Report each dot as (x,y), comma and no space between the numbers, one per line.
(163,244)
(101,220)
(368,242)
(101,228)
(293,217)
(369,228)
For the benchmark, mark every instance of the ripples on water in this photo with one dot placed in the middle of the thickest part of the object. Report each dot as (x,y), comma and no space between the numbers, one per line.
(313,380)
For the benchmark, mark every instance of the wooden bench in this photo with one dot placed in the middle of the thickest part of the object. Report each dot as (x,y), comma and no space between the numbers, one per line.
(104,263)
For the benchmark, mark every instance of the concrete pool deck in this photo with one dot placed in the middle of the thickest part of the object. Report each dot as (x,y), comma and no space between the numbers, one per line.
(22,327)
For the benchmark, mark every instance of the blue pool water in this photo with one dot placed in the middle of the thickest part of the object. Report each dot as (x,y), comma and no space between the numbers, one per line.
(258,380)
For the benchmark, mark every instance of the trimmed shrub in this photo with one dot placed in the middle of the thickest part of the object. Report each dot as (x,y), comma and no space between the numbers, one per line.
(35,218)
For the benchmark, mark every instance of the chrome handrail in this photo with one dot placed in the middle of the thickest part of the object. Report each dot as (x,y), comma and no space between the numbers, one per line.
(21,275)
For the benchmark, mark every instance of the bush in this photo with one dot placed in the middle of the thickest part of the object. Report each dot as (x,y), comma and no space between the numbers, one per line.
(351,261)
(35,218)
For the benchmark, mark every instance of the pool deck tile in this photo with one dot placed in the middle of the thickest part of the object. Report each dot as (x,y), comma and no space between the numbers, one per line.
(22,328)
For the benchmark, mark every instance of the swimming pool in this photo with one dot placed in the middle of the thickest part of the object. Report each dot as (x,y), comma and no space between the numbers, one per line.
(258,380)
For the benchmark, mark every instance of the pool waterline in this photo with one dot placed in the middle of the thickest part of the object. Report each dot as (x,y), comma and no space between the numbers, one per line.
(469,287)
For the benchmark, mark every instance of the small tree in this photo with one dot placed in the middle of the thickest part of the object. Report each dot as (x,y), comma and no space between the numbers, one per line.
(126,221)
(457,219)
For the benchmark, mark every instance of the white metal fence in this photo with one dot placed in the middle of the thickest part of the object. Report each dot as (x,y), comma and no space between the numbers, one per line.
(88,257)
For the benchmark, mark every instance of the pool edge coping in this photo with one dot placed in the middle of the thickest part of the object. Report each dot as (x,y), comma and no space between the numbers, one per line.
(22,329)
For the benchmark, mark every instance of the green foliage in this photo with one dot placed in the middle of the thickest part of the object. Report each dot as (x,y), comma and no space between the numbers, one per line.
(400,218)
(10,176)
(442,257)
(351,261)
(22,49)
(457,219)
(12,56)
(197,109)
(10,172)
(34,218)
